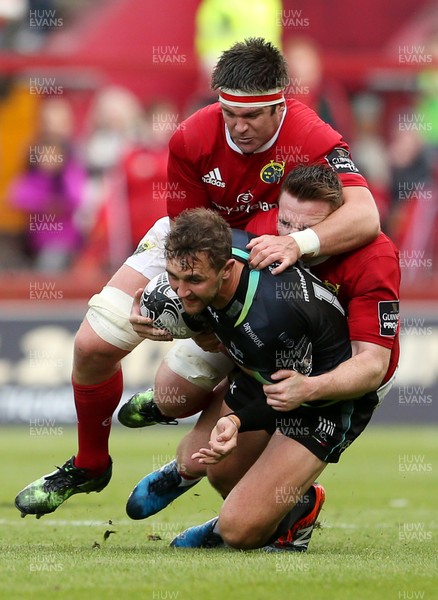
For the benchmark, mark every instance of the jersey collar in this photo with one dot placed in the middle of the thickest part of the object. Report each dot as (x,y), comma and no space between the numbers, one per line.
(266,146)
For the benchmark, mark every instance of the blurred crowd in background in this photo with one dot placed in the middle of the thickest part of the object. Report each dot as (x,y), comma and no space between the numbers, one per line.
(78,189)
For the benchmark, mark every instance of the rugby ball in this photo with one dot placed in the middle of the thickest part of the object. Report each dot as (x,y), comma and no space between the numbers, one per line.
(160,303)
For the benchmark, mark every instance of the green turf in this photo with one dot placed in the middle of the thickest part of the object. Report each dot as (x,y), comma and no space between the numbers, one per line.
(377,539)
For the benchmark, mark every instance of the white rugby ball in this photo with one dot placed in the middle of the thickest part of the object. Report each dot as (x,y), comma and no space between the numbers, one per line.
(160,303)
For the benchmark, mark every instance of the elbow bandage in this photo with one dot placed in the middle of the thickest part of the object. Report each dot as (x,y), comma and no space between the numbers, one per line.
(308,241)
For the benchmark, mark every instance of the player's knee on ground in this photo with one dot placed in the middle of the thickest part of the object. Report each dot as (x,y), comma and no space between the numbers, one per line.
(238,532)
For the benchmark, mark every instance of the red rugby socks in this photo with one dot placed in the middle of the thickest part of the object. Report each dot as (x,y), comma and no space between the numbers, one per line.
(95,405)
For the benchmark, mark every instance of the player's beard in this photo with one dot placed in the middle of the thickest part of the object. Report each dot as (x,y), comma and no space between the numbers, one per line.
(198,304)
(193,306)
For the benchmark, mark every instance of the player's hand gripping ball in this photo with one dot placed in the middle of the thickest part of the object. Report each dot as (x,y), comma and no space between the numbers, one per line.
(160,303)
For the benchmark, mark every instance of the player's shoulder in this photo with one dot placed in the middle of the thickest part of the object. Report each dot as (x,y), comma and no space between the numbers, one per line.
(203,115)
(240,240)
(199,132)
(380,247)
(300,115)
(295,108)
(370,262)
(264,222)
(309,132)
(385,242)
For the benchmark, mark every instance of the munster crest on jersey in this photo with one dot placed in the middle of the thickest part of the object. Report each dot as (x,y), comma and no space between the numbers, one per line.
(272,172)
(144,246)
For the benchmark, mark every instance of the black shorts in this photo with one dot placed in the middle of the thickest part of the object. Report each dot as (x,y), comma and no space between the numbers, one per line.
(324,430)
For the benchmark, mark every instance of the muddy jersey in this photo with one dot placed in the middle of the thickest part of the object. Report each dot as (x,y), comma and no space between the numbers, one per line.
(286,321)
(366,281)
(207,169)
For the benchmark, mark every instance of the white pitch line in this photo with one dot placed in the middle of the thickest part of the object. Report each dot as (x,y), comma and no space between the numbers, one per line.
(63,523)
(66,523)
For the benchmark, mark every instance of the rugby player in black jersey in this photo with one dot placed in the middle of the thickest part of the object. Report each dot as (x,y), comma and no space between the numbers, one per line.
(261,318)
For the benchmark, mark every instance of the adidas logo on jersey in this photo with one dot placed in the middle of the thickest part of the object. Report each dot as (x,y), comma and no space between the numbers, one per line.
(214,177)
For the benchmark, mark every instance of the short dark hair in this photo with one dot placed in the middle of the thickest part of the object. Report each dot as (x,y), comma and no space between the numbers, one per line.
(253,65)
(314,182)
(199,230)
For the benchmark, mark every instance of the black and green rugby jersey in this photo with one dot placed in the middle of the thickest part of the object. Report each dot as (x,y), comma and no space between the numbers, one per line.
(285,321)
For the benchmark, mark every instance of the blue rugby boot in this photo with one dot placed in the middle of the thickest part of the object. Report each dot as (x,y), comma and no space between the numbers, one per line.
(201,536)
(155,491)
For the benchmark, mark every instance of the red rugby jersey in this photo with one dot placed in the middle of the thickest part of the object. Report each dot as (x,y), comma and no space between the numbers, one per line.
(367,283)
(205,169)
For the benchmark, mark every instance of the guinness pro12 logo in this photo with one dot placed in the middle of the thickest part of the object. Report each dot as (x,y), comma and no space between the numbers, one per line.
(388,317)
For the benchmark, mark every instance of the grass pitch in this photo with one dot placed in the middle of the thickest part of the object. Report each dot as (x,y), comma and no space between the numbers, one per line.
(377,540)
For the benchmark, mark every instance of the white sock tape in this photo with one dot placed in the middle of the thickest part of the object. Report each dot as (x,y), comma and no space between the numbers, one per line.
(308,241)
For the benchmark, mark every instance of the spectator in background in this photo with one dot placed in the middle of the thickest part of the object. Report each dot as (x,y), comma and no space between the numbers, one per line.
(11,16)
(144,170)
(370,150)
(25,25)
(310,85)
(413,212)
(428,102)
(427,108)
(220,24)
(51,190)
(114,124)
(134,189)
